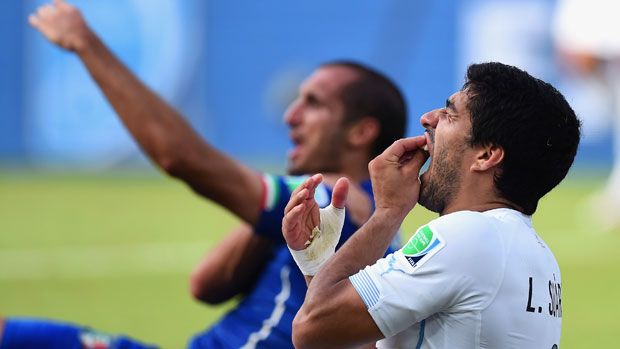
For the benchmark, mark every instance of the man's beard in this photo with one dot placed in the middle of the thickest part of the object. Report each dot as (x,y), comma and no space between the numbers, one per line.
(326,159)
(442,184)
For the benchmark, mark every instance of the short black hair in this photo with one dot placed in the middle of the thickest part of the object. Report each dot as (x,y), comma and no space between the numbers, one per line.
(374,95)
(531,121)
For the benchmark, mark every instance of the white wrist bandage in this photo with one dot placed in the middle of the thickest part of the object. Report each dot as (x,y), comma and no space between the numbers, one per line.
(322,243)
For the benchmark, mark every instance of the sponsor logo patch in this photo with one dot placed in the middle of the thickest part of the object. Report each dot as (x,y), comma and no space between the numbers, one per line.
(422,245)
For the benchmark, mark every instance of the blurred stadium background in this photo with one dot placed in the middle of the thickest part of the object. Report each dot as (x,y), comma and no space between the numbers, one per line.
(91,233)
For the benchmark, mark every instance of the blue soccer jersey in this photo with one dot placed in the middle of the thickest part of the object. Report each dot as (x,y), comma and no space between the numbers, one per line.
(263,319)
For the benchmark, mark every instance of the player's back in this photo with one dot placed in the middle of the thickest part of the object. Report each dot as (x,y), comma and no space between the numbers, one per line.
(527,310)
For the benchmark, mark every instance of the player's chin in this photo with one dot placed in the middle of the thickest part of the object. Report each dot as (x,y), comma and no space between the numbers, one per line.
(424,201)
(295,168)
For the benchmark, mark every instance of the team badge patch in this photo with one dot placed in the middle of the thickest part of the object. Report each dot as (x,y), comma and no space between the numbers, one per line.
(422,246)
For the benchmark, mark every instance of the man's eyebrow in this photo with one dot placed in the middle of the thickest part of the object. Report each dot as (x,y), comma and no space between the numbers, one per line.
(450,105)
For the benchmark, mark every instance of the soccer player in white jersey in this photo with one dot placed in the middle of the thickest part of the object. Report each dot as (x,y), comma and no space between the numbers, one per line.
(479,276)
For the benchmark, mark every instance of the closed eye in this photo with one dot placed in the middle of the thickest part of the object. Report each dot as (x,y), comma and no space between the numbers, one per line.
(450,106)
(312,100)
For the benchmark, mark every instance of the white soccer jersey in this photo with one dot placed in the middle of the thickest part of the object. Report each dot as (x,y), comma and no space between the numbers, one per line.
(467,280)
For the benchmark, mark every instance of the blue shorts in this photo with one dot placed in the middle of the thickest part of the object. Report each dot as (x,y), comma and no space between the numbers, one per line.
(24,333)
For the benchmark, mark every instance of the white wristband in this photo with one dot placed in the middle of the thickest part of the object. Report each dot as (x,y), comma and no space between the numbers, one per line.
(322,242)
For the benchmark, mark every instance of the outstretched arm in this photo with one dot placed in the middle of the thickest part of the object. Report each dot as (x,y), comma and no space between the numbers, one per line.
(163,134)
(333,314)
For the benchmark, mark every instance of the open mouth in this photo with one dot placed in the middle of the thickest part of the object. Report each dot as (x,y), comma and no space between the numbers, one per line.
(430,139)
(297,141)
(295,137)
(428,150)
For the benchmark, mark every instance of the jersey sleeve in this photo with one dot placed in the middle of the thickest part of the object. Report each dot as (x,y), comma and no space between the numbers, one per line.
(276,194)
(447,265)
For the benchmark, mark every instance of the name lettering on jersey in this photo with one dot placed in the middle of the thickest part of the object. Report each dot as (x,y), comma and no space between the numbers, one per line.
(555,293)
(422,246)
(555,299)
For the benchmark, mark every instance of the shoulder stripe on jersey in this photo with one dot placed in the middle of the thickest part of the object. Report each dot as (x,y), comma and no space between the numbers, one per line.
(421,335)
(276,314)
(271,192)
(366,288)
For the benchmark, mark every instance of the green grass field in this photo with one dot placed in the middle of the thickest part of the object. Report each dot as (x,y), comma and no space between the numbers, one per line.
(115,253)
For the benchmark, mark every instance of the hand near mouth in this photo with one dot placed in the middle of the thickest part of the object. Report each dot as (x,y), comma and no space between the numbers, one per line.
(394,176)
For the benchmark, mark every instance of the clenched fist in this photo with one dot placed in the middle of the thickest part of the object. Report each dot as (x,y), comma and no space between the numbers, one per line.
(63,25)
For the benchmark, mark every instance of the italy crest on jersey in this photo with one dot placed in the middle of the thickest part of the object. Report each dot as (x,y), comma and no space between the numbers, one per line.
(422,246)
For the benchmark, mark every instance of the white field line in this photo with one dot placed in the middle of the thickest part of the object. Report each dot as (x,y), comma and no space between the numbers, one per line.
(100,261)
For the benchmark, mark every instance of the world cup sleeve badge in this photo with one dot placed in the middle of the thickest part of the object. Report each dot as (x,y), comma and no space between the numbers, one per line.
(424,244)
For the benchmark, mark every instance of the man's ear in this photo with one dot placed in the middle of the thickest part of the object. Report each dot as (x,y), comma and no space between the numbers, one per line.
(488,157)
(363,132)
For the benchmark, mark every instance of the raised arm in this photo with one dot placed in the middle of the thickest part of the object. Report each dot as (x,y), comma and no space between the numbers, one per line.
(333,314)
(162,133)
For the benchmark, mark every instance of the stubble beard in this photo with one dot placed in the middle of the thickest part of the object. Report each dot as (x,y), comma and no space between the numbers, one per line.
(442,184)
(326,159)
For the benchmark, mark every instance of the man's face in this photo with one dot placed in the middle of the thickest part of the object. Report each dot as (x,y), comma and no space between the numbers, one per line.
(447,132)
(316,122)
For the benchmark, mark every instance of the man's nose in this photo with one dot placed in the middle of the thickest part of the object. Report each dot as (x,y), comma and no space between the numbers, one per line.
(292,116)
(429,119)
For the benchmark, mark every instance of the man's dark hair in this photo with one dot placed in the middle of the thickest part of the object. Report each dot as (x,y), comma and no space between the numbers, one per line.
(531,121)
(372,94)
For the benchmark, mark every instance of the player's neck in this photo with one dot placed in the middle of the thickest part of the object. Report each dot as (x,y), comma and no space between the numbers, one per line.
(479,196)
(355,167)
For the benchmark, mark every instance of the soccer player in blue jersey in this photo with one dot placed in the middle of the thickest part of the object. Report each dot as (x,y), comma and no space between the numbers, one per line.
(345,115)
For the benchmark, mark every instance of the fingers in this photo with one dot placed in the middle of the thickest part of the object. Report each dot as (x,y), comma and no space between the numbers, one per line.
(401,153)
(34,21)
(46,10)
(296,199)
(292,228)
(314,182)
(292,220)
(309,183)
(403,146)
(63,5)
(340,192)
(304,191)
(41,24)
(38,18)
(413,161)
